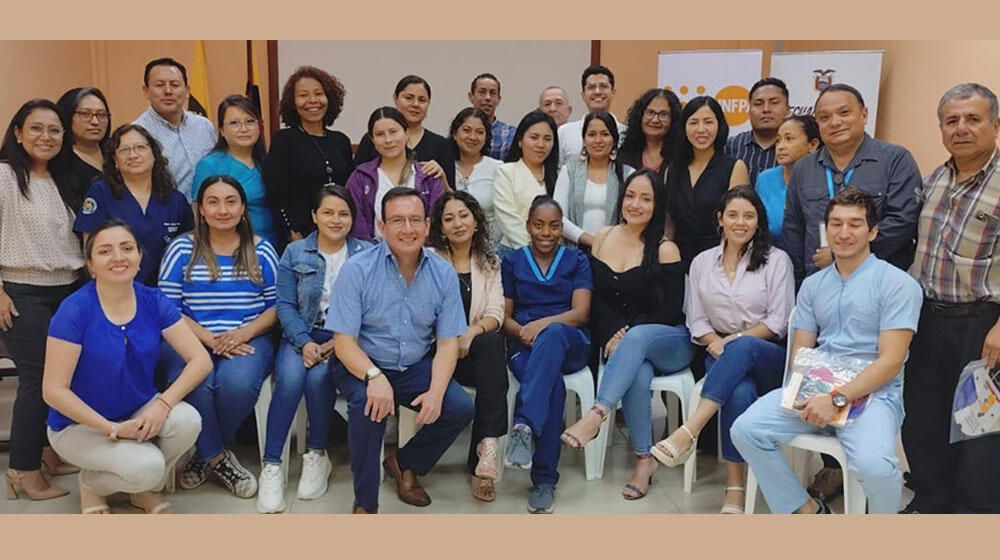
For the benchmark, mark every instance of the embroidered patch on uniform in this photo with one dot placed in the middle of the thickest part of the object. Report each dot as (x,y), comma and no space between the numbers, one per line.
(89,206)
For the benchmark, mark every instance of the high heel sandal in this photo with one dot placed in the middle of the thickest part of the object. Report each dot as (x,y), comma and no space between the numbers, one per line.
(637,493)
(675,458)
(15,483)
(486,450)
(63,468)
(155,508)
(578,443)
(733,508)
(91,502)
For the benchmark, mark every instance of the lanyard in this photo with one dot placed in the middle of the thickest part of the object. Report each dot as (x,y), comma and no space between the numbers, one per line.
(829,180)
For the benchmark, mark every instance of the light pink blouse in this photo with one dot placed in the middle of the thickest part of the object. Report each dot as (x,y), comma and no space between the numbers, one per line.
(765,295)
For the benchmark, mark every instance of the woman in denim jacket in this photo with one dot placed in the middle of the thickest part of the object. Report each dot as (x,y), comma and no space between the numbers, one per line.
(306,275)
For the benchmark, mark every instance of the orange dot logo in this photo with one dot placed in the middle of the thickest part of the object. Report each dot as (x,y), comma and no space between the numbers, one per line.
(735,104)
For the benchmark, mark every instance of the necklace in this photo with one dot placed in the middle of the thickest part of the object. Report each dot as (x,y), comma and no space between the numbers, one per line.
(326,158)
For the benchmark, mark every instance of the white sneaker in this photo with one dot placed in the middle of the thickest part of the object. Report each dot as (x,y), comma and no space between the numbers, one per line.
(315,477)
(271,491)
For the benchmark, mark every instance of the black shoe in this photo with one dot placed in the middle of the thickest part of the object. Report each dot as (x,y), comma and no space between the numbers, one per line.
(910,508)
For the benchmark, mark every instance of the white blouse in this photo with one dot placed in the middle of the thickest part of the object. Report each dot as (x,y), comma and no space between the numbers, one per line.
(479,184)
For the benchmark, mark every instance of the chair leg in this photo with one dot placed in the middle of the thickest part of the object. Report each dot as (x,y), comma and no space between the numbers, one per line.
(751,493)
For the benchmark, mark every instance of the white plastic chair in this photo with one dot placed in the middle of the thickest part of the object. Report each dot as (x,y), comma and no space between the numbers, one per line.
(260,409)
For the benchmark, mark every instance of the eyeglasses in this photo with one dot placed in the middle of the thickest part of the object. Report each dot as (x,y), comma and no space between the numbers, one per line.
(88,115)
(236,125)
(599,86)
(399,221)
(138,149)
(36,130)
(663,116)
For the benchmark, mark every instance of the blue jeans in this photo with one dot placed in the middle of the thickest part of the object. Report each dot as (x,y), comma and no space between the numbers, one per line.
(425,448)
(291,379)
(869,442)
(748,366)
(645,351)
(227,395)
(558,349)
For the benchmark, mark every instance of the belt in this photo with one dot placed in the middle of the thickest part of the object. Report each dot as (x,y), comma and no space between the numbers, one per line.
(948,309)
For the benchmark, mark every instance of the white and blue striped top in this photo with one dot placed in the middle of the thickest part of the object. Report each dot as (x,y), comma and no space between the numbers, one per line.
(228,302)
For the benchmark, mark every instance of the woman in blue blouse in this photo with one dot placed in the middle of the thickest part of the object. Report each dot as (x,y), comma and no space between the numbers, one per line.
(222,278)
(547,290)
(137,188)
(306,274)
(100,355)
(240,154)
(798,136)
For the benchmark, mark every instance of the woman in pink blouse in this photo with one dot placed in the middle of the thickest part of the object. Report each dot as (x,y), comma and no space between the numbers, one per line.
(738,300)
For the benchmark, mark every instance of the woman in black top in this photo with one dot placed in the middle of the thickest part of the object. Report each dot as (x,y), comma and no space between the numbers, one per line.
(653,124)
(306,155)
(413,97)
(699,175)
(85,115)
(636,318)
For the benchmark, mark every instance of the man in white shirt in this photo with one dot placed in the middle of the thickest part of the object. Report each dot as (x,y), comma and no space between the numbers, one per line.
(184,136)
(598,91)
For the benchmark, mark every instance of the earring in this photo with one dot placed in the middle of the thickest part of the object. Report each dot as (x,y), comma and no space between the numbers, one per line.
(614,154)
(720,231)
(584,154)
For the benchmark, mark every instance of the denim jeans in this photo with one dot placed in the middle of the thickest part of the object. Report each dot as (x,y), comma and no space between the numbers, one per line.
(364,436)
(291,380)
(869,442)
(558,349)
(227,395)
(645,351)
(748,366)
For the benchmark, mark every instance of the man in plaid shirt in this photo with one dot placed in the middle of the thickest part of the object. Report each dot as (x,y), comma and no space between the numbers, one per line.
(485,96)
(958,266)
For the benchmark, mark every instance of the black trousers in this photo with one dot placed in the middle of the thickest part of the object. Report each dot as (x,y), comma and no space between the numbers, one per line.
(485,369)
(25,342)
(948,478)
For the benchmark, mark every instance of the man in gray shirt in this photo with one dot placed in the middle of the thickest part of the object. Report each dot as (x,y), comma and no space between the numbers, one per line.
(850,157)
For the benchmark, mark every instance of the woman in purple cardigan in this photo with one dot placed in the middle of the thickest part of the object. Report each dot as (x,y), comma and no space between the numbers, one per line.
(395,166)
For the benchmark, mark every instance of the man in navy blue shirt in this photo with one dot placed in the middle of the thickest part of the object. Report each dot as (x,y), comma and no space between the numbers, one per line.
(396,313)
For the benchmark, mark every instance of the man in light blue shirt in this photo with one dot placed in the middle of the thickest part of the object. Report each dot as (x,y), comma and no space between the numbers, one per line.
(863,307)
(396,313)
(184,136)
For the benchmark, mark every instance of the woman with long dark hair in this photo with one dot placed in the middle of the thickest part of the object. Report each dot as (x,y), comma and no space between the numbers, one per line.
(40,265)
(86,116)
(470,136)
(588,187)
(739,295)
(653,124)
(395,166)
(699,175)
(531,170)
(137,188)
(240,154)
(222,279)
(458,233)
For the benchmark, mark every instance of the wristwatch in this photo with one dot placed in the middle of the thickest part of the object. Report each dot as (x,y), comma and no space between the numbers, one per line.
(372,373)
(839,399)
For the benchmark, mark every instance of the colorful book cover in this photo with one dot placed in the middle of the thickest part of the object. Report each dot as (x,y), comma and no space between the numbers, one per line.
(817,373)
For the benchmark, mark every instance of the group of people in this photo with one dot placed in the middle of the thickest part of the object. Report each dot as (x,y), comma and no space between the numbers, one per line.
(155,275)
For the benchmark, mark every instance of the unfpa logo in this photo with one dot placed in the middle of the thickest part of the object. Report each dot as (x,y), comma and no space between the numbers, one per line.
(734,99)
(822,79)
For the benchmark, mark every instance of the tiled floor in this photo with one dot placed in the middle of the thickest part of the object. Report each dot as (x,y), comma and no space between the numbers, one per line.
(447,485)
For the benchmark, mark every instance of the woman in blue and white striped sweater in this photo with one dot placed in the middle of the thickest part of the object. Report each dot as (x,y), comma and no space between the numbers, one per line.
(222,278)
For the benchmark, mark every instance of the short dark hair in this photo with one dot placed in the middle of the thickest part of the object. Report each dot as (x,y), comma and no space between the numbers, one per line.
(595,69)
(853,196)
(165,61)
(769,81)
(399,192)
(332,87)
(88,245)
(841,87)
(472,88)
(409,80)
(258,153)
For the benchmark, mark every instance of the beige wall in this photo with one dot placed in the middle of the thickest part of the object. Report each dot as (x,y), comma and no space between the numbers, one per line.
(914,75)
(49,68)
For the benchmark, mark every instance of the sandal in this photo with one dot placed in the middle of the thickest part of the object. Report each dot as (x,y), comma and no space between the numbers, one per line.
(142,501)
(578,441)
(733,508)
(486,450)
(483,489)
(636,492)
(675,457)
(92,502)
(53,465)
